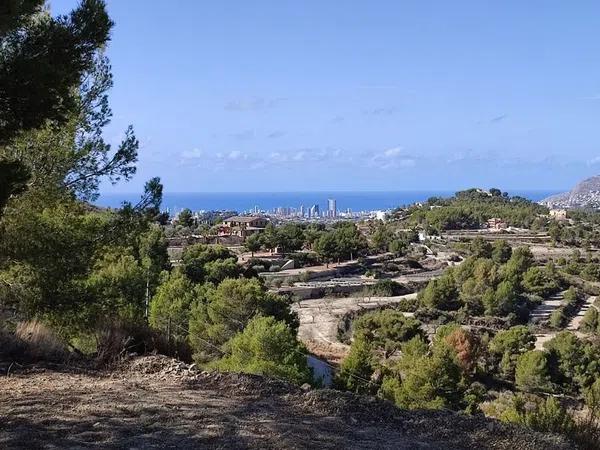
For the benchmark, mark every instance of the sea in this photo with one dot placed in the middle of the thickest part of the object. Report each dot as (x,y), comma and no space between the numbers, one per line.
(268,201)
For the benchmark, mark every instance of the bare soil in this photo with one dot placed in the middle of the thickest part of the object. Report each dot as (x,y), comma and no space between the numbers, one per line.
(157,402)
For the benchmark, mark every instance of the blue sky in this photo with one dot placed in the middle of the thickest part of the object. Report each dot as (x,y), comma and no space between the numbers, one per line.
(285,95)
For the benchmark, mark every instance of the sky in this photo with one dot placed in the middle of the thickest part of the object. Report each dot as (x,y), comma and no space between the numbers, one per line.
(287,95)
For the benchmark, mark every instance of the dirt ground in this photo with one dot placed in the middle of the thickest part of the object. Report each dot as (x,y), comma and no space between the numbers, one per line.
(156,402)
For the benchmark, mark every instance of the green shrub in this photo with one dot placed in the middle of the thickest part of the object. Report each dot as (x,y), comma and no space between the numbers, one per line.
(267,347)
(531,371)
(171,306)
(357,368)
(557,318)
(386,329)
(226,310)
(507,345)
(385,288)
(589,323)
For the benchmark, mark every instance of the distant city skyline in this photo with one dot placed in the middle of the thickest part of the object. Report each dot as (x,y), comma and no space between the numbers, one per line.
(292,96)
(267,201)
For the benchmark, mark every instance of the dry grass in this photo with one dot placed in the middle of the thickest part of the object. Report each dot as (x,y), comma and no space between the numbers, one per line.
(116,340)
(40,341)
(32,342)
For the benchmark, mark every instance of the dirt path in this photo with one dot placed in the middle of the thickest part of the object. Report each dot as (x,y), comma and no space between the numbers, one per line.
(320,319)
(545,310)
(183,409)
(575,322)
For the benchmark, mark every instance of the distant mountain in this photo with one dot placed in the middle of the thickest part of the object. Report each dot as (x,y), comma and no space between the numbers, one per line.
(585,194)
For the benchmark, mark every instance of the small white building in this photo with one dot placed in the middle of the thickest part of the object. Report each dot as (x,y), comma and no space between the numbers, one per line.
(558,214)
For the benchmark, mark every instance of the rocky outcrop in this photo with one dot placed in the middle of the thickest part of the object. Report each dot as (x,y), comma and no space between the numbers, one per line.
(585,194)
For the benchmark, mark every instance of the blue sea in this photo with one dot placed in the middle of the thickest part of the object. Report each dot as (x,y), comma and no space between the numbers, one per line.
(267,201)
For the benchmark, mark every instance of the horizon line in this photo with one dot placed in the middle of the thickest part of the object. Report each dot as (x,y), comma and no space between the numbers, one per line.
(334,191)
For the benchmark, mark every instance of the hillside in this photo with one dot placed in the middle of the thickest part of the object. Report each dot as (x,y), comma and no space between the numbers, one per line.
(157,402)
(586,194)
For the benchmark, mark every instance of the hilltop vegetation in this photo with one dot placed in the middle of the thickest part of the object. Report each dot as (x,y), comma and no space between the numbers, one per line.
(471,209)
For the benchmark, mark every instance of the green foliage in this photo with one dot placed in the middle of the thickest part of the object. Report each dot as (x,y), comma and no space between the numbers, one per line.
(425,381)
(227,309)
(344,241)
(43,61)
(590,323)
(501,251)
(441,293)
(571,296)
(266,347)
(170,307)
(381,237)
(480,248)
(505,299)
(538,414)
(520,261)
(531,371)
(385,288)
(14,176)
(508,345)
(540,281)
(397,247)
(326,247)
(558,319)
(117,283)
(73,154)
(569,361)
(186,218)
(472,208)
(153,255)
(484,285)
(290,237)
(253,243)
(211,263)
(357,368)
(386,330)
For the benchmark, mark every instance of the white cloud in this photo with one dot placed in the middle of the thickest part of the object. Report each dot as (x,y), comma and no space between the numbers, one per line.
(392,152)
(235,155)
(192,154)
(392,158)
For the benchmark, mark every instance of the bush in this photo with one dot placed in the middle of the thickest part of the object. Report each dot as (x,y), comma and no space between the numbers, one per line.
(356,369)
(558,318)
(170,307)
(227,309)
(385,288)
(507,345)
(441,293)
(427,381)
(545,415)
(267,347)
(589,323)
(386,329)
(304,259)
(531,372)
